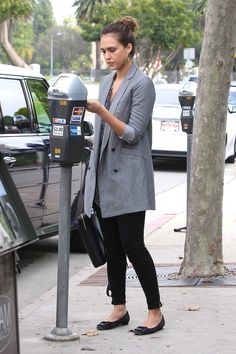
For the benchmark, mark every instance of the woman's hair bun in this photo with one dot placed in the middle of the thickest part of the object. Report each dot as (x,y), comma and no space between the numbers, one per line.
(129,22)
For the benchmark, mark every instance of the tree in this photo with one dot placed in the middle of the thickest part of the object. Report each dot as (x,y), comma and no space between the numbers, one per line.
(43,18)
(21,37)
(203,245)
(70,52)
(199,5)
(85,8)
(12,9)
(165,27)
(84,12)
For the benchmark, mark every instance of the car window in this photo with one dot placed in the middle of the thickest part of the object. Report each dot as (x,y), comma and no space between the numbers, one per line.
(193,78)
(232,97)
(14,112)
(167,97)
(39,94)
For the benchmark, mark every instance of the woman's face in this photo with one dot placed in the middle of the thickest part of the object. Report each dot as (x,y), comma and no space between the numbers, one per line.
(114,53)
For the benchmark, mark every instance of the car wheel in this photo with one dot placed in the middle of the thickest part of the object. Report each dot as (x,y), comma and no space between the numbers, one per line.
(231,159)
(76,244)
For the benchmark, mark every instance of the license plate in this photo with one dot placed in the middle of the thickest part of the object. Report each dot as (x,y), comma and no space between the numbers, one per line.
(169,126)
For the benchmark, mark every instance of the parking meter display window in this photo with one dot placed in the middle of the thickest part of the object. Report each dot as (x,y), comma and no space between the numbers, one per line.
(15,226)
(186,101)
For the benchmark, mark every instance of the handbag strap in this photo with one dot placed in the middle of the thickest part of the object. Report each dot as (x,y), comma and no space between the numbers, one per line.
(80,204)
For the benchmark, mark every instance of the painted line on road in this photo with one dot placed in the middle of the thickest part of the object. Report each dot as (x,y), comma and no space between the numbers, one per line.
(157,223)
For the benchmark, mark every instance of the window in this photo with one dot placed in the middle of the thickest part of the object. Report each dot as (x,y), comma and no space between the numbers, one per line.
(232,97)
(14,112)
(39,93)
(167,97)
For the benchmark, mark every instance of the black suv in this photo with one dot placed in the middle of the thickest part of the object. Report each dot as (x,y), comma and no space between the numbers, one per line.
(25,126)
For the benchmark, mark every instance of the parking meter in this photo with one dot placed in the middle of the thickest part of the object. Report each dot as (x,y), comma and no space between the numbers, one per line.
(186,100)
(67,100)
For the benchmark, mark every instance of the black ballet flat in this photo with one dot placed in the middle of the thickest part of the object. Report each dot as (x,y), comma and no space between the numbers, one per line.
(141,330)
(105,325)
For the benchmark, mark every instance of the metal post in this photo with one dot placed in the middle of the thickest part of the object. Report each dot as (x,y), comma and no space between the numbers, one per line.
(51,56)
(189,150)
(61,332)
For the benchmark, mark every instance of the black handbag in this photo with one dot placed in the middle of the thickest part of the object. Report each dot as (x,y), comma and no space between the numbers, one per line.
(92,238)
(90,230)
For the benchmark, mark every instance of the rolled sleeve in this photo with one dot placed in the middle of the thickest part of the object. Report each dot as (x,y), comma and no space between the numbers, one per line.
(129,135)
(143,98)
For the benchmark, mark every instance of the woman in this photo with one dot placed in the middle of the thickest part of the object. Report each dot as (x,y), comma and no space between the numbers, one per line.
(119,182)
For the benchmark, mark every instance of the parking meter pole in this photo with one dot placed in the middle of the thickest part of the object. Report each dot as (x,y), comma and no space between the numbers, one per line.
(64,248)
(189,147)
(187,101)
(61,332)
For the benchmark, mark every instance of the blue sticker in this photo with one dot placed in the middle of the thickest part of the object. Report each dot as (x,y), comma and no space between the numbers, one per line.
(75,130)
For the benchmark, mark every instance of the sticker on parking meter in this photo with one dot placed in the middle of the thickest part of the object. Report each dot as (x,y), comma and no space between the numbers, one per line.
(186,113)
(59,120)
(77,115)
(57,153)
(75,130)
(58,130)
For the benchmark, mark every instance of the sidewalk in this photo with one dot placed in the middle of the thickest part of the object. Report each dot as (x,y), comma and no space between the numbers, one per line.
(200,317)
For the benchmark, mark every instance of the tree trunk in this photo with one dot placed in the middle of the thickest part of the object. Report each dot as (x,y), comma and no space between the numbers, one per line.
(14,58)
(203,246)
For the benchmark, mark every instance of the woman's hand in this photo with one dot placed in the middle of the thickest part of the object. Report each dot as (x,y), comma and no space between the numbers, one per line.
(94,107)
(116,124)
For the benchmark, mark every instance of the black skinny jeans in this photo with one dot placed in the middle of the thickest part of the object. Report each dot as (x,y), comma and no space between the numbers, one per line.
(124,236)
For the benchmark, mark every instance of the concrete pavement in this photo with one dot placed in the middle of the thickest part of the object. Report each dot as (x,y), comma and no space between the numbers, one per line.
(200,315)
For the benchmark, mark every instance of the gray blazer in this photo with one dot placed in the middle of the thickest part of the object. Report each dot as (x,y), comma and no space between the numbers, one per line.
(124,170)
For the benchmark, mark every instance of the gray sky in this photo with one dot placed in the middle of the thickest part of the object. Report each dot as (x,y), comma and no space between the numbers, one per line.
(62,8)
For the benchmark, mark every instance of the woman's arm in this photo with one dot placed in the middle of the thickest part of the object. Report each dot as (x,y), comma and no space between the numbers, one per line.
(117,125)
(143,97)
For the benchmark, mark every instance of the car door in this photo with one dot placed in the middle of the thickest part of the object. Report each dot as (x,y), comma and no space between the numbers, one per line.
(24,149)
(50,193)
